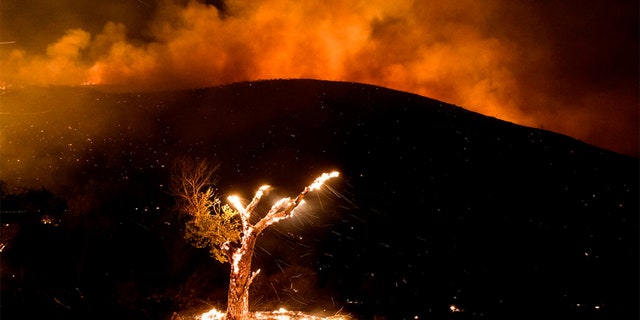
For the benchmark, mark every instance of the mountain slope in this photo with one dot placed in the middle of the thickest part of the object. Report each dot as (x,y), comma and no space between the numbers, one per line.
(437,206)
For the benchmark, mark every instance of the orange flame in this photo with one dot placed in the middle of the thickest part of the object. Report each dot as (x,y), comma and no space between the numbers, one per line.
(322,179)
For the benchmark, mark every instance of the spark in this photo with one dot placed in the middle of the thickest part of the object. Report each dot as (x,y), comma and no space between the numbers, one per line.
(275,291)
(62,304)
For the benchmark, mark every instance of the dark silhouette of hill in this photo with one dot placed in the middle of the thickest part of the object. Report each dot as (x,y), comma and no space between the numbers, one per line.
(437,207)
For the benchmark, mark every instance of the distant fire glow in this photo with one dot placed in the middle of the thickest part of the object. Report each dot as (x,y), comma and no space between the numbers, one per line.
(492,57)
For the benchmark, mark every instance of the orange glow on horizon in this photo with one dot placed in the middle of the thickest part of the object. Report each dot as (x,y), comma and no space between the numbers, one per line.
(448,52)
(359,41)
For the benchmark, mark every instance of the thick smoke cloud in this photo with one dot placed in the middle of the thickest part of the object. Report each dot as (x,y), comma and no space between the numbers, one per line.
(568,66)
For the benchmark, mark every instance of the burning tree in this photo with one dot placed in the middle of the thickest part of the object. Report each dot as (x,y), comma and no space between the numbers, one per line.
(229,233)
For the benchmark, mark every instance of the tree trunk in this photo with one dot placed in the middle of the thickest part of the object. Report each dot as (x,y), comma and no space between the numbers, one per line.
(241,276)
(240,279)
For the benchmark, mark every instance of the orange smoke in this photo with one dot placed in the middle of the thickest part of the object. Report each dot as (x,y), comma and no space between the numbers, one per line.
(393,44)
(445,50)
(61,64)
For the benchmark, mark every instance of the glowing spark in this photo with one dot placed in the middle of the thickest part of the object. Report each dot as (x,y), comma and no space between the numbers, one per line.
(453,308)
(322,179)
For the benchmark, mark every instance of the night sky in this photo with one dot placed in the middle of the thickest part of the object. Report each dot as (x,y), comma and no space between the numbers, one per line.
(566,66)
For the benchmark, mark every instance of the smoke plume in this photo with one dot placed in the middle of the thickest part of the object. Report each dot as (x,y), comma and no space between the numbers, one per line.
(571,69)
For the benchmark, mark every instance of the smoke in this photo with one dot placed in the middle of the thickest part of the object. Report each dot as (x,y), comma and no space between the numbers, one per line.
(60,64)
(537,64)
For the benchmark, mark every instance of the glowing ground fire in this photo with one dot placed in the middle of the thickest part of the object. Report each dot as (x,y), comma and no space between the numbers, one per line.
(280,314)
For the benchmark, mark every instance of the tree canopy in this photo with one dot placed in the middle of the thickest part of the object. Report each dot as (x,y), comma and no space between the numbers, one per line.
(210,224)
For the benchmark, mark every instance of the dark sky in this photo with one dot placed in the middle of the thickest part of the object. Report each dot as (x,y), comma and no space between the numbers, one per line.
(568,66)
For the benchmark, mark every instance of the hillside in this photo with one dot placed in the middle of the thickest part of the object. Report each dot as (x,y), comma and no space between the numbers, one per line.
(438,209)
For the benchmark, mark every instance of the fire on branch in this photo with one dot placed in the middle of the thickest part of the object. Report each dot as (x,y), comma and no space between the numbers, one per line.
(232,241)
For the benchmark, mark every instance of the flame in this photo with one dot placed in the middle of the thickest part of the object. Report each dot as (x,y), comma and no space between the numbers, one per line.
(322,179)
(261,190)
(212,314)
(280,203)
(280,314)
(236,203)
